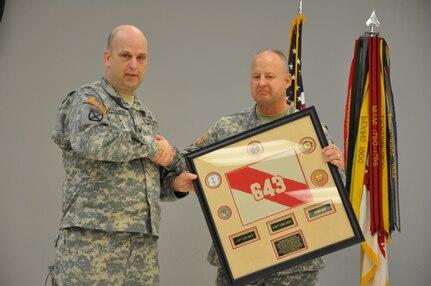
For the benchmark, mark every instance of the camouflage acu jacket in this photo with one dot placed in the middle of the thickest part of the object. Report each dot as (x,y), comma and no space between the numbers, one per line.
(110,184)
(232,125)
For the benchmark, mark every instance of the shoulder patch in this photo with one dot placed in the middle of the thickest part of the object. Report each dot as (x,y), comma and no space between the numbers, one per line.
(94,115)
(97,104)
(202,139)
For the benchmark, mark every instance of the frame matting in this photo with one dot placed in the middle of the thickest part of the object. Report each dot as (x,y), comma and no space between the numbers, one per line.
(269,199)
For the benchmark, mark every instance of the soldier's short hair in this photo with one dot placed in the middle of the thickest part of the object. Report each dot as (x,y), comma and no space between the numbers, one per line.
(277,52)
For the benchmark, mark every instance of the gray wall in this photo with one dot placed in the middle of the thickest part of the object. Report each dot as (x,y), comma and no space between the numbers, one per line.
(200,54)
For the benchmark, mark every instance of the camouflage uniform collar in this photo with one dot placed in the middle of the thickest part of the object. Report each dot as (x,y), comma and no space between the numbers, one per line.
(117,97)
(107,87)
(254,118)
(292,108)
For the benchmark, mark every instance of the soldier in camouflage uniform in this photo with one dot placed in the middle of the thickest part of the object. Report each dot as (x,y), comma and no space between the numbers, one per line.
(117,170)
(269,81)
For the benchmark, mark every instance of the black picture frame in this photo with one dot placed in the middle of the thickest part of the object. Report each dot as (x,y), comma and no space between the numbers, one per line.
(278,239)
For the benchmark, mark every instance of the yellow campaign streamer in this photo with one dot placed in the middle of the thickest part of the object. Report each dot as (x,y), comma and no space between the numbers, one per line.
(368,251)
(361,153)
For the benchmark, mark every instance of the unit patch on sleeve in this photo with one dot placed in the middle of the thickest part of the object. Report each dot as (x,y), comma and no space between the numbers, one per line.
(95,115)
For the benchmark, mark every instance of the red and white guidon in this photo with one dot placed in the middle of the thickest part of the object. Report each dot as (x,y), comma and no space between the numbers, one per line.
(269,186)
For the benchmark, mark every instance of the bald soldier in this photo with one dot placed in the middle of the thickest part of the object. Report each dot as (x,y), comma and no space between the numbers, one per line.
(268,84)
(118,168)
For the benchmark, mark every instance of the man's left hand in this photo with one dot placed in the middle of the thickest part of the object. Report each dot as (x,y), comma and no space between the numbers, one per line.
(333,155)
(184,182)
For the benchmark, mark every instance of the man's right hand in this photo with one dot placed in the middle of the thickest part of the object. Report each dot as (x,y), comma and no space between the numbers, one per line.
(166,152)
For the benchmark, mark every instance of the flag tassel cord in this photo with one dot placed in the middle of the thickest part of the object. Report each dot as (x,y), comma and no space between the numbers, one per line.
(299,18)
(295,92)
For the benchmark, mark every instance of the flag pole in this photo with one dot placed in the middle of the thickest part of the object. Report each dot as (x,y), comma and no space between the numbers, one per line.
(300,7)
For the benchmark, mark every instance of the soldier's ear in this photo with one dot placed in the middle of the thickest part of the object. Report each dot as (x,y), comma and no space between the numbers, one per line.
(288,80)
(107,58)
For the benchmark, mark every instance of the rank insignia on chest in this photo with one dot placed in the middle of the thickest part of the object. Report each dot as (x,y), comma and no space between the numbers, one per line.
(202,139)
(91,100)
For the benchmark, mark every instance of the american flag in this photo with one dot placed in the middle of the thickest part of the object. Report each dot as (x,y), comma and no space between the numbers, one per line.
(295,93)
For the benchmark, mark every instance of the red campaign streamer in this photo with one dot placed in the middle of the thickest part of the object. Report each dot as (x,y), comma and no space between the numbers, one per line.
(374,159)
(348,111)
(373,116)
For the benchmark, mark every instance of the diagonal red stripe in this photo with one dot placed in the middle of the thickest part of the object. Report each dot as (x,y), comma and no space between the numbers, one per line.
(296,192)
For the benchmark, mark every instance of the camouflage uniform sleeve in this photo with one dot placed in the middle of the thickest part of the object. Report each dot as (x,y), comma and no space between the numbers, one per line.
(168,174)
(92,137)
(176,167)
(209,137)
